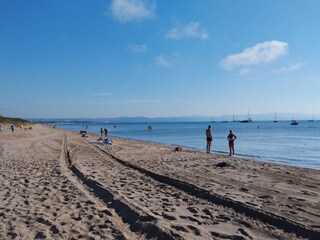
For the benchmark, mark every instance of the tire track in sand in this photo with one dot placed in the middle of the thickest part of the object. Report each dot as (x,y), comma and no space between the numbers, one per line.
(140,224)
(239,207)
(72,174)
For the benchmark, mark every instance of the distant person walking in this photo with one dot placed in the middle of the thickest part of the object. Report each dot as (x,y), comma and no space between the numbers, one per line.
(231,137)
(209,138)
(0,127)
(12,128)
(101,131)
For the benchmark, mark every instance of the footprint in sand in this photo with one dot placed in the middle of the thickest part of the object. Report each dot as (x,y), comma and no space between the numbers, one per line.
(244,189)
(226,236)
(40,235)
(169,217)
(54,229)
(193,210)
(195,220)
(224,218)
(264,196)
(308,193)
(243,232)
(179,228)
(195,230)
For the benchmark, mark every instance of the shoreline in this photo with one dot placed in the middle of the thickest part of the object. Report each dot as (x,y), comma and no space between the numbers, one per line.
(54,180)
(247,147)
(222,153)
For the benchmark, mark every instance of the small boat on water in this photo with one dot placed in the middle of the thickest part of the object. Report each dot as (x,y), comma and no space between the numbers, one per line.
(294,122)
(248,120)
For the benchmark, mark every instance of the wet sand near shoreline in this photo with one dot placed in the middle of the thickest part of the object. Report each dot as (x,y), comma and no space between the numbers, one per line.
(60,185)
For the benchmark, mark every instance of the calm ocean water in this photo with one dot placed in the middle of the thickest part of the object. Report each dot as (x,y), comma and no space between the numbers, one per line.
(274,142)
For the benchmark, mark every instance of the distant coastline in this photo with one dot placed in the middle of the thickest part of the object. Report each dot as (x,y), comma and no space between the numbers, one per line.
(142,119)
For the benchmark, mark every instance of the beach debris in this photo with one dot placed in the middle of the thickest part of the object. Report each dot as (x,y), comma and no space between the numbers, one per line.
(223,164)
(107,141)
(178,149)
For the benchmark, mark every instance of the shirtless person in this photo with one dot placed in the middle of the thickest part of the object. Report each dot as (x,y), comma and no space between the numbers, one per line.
(231,137)
(209,138)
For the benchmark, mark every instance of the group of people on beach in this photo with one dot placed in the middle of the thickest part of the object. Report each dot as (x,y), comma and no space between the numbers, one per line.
(12,128)
(231,138)
(105,131)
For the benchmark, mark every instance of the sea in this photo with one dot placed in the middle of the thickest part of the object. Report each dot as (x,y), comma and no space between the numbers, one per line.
(278,142)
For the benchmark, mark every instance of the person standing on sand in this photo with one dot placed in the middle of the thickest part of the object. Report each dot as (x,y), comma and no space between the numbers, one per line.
(12,128)
(106,131)
(101,131)
(231,137)
(209,138)
(0,127)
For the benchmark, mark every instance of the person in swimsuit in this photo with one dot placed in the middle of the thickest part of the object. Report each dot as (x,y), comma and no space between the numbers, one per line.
(231,137)
(209,138)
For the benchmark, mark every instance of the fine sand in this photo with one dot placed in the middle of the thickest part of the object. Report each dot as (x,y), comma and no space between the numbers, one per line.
(61,185)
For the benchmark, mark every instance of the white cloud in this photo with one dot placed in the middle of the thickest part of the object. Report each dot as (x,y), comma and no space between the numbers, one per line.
(290,68)
(102,94)
(132,10)
(138,48)
(260,53)
(161,61)
(192,30)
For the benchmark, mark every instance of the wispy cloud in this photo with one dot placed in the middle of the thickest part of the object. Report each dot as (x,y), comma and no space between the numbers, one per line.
(290,68)
(138,48)
(260,53)
(191,30)
(132,10)
(161,61)
(102,94)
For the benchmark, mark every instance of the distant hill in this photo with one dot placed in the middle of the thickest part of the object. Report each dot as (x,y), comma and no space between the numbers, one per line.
(15,121)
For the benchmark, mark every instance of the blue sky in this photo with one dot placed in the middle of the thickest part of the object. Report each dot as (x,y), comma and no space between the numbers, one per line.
(155,58)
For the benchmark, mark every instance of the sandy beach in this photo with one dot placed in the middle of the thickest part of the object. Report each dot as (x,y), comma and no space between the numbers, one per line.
(61,185)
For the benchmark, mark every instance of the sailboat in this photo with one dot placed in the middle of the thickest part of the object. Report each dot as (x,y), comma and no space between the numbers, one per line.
(312,120)
(223,119)
(248,120)
(275,118)
(294,122)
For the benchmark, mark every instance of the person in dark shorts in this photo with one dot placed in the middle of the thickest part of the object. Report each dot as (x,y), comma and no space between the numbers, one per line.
(209,138)
(231,137)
